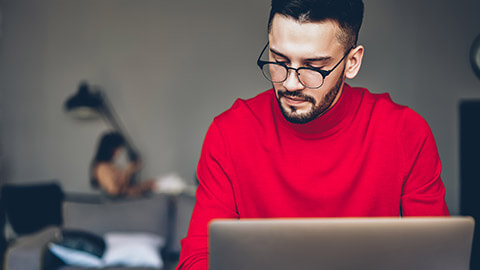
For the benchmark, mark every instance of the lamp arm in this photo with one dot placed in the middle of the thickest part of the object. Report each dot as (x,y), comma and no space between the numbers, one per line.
(111,116)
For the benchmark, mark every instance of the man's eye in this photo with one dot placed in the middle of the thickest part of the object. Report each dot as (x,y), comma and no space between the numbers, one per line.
(315,66)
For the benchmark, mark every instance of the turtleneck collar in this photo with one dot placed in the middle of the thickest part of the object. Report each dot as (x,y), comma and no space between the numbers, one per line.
(328,123)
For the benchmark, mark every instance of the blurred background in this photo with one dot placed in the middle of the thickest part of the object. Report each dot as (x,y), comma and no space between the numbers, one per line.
(169,66)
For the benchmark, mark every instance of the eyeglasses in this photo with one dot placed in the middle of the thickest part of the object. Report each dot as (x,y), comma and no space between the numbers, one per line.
(309,77)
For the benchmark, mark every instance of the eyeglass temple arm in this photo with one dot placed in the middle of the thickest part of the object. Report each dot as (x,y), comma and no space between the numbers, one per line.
(264,48)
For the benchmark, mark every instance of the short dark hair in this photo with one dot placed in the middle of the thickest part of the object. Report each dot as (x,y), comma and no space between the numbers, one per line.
(109,142)
(347,13)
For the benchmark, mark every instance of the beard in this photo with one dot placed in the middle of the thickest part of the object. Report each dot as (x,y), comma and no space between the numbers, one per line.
(292,114)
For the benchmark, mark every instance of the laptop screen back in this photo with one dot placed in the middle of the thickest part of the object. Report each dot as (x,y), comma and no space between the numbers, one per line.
(341,243)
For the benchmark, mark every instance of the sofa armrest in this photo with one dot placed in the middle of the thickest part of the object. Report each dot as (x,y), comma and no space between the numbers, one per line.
(27,251)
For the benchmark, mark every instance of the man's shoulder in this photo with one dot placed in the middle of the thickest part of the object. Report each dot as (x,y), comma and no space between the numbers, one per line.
(379,101)
(248,109)
(403,117)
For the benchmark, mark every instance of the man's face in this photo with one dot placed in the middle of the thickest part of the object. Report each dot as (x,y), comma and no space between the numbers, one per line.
(306,45)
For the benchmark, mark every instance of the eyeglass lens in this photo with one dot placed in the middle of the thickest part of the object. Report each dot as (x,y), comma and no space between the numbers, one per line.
(278,73)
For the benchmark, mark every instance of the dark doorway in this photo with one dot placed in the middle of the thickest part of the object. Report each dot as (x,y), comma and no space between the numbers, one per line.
(470,170)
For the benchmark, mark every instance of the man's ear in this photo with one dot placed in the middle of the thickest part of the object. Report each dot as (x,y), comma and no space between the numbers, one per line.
(354,61)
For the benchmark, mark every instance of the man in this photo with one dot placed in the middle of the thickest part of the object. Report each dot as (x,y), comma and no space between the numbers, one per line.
(313,146)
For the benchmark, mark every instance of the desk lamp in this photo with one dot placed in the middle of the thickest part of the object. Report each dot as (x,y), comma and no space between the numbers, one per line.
(87,104)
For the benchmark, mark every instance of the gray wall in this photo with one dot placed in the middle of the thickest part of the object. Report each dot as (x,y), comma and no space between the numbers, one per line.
(170,66)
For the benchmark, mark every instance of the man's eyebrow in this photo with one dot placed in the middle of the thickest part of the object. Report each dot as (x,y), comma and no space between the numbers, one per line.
(278,53)
(319,58)
(312,59)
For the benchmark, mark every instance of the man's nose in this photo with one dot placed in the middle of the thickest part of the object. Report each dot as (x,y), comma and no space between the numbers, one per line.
(292,83)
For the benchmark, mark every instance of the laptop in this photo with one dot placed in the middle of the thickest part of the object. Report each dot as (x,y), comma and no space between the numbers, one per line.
(434,243)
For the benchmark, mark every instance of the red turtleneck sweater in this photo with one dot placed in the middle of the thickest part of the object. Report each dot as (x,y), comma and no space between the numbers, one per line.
(367,156)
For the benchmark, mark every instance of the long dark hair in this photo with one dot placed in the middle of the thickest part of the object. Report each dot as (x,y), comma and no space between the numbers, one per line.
(109,142)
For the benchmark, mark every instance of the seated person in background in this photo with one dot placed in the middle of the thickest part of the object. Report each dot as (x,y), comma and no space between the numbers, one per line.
(113,171)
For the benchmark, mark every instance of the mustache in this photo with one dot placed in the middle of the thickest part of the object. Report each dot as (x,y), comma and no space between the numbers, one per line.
(296,94)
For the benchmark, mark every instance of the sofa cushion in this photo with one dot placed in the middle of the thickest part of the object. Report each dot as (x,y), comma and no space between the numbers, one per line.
(146,214)
(122,249)
(82,240)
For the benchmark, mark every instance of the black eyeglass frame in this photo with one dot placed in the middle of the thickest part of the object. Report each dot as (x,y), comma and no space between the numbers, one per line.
(322,72)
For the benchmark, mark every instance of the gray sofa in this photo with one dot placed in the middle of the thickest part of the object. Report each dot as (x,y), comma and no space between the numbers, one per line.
(163,215)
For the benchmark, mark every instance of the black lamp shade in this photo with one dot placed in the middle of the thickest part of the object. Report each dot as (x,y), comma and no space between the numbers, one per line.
(84,98)
(86,105)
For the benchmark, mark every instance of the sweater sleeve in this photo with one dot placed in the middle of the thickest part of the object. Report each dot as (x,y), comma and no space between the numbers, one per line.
(423,191)
(214,199)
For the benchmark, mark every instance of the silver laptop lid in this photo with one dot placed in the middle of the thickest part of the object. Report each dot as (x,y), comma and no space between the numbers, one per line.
(341,243)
